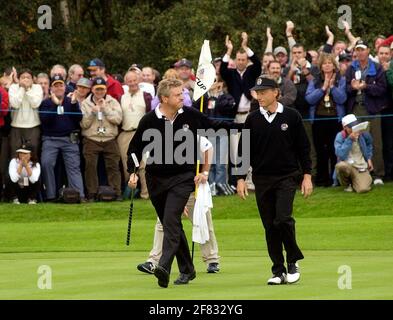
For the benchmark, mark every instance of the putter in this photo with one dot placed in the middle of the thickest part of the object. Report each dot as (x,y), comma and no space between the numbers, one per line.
(136,162)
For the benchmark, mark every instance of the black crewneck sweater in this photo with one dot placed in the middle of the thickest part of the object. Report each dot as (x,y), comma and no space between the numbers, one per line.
(277,148)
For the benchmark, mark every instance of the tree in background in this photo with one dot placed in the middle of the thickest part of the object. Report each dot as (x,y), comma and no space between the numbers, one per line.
(158,32)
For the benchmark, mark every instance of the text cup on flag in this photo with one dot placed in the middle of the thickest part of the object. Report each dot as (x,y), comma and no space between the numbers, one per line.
(206,73)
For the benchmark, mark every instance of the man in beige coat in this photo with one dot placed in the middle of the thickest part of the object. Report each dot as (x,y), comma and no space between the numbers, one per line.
(101,116)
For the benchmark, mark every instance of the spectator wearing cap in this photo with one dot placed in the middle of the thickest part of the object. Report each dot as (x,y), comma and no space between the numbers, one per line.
(43,80)
(75,72)
(83,89)
(102,115)
(135,103)
(367,97)
(24,172)
(184,69)
(25,99)
(97,69)
(326,94)
(60,69)
(281,55)
(354,151)
(344,60)
(60,116)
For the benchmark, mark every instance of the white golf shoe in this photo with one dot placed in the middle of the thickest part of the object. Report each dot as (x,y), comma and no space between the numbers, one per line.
(277,279)
(293,273)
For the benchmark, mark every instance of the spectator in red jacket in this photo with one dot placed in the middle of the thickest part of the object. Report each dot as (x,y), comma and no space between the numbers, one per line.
(3,133)
(97,69)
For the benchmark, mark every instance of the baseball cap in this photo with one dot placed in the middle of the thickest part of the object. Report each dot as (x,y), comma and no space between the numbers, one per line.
(344,56)
(84,82)
(136,66)
(96,63)
(349,120)
(57,78)
(25,148)
(280,50)
(183,63)
(99,83)
(263,83)
(361,44)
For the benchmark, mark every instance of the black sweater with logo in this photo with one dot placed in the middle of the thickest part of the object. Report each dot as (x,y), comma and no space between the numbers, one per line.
(172,146)
(277,148)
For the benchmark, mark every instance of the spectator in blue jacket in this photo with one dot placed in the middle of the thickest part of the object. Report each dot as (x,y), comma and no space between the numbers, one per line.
(368,96)
(326,95)
(60,116)
(354,151)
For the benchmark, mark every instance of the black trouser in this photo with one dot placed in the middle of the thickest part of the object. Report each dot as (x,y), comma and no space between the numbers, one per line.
(23,194)
(324,133)
(275,197)
(387,141)
(169,196)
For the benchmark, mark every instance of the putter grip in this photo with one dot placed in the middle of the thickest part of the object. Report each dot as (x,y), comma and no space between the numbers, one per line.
(129,223)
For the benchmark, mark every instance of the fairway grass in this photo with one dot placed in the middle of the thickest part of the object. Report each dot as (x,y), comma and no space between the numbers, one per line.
(85,248)
(90,261)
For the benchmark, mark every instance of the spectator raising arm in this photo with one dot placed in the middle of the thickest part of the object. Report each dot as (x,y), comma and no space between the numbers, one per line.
(269,44)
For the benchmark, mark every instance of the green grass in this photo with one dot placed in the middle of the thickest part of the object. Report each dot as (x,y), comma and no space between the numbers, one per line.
(85,247)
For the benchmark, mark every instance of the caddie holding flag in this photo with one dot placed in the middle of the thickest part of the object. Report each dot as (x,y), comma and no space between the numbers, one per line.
(170,171)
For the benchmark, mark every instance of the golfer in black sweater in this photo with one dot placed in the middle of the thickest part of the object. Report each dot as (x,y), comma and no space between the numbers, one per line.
(279,155)
(170,179)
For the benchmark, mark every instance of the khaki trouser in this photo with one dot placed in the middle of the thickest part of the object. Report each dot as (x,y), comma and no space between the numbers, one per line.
(347,174)
(123,141)
(209,249)
(110,151)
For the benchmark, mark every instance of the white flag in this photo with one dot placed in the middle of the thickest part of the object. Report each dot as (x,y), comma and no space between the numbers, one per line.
(206,73)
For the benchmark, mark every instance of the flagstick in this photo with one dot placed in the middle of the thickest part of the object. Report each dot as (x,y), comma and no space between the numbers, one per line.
(196,188)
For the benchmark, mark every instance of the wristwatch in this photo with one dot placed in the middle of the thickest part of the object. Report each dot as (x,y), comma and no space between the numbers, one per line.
(205,173)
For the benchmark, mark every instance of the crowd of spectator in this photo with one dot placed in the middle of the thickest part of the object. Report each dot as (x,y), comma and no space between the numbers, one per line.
(73,127)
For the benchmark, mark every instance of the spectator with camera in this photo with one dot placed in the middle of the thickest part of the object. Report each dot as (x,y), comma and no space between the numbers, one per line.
(102,115)
(60,116)
(354,151)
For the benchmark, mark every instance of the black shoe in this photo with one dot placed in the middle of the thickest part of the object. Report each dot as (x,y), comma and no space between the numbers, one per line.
(221,190)
(162,275)
(184,278)
(146,267)
(213,268)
